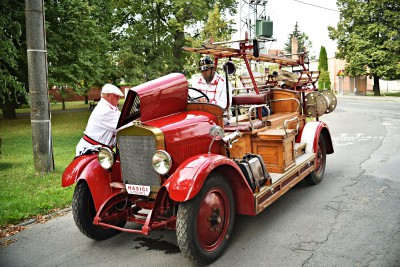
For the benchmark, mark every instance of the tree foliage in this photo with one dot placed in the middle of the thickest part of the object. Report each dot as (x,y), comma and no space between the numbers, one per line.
(323,59)
(368,38)
(155,32)
(324,81)
(217,29)
(90,42)
(13,58)
(79,42)
(304,43)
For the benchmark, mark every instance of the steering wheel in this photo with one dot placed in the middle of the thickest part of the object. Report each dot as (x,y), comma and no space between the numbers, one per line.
(194,98)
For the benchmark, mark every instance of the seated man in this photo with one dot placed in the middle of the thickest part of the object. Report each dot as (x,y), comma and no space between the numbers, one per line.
(213,84)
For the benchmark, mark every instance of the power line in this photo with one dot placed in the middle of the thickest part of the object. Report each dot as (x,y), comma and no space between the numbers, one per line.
(316,6)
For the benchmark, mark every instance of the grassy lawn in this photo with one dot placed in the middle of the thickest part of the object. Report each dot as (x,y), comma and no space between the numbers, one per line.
(24,195)
(55,106)
(392,94)
(397,94)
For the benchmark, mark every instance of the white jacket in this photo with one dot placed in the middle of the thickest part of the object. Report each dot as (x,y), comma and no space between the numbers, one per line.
(101,127)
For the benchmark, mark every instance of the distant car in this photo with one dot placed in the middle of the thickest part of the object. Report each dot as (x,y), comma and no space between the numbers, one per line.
(177,166)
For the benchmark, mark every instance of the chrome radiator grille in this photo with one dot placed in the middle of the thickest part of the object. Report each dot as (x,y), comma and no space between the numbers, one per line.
(136,153)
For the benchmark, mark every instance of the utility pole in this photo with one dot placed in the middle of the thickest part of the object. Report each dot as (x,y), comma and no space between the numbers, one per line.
(38,87)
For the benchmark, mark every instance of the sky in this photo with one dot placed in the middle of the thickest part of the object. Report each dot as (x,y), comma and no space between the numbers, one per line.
(312,20)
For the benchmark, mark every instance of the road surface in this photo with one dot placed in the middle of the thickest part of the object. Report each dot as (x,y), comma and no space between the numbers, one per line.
(352,218)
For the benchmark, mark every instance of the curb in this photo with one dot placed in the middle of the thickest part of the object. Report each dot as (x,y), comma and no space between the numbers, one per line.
(372,98)
(48,216)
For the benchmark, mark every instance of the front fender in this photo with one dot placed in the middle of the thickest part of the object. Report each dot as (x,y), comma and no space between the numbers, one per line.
(189,177)
(310,135)
(87,168)
(75,168)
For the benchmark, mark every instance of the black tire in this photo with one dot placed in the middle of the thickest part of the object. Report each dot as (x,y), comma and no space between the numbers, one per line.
(203,228)
(315,177)
(84,212)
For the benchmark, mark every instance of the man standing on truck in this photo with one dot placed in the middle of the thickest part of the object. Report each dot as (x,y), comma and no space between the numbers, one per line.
(102,123)
(213,84)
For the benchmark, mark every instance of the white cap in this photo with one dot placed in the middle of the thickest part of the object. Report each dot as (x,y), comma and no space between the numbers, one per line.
(111,89)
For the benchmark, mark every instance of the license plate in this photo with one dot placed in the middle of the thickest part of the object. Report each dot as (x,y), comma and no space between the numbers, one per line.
(141,190)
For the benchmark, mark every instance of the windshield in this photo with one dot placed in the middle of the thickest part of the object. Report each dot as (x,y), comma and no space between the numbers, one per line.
(130,110)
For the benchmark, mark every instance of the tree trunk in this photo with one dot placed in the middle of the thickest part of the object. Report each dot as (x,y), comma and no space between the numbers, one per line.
(177,51)
(62,94)
(377,90)
(8,109)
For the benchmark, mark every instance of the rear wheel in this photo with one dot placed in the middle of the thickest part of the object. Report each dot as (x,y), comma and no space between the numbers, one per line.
(320,162)
(84,212)
(205,223)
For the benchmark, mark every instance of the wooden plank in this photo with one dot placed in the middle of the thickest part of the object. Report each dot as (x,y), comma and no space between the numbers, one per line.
(276,120)
(222,51)
(282,101)
(241,147)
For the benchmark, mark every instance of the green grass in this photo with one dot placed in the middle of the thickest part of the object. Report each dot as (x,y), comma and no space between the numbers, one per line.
(397,94)
(56,106)
(392,94)
(23,194)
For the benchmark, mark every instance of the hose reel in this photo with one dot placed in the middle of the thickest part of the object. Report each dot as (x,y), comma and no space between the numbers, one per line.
(320,103)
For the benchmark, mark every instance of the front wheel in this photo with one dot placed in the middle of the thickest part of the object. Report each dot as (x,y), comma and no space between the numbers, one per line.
(84,212)
(205,223)
(320,162)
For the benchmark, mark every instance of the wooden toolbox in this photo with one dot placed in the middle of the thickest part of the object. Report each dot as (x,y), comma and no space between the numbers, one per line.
(276,147)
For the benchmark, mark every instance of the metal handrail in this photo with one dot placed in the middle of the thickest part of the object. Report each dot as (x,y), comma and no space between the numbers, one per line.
(289,120)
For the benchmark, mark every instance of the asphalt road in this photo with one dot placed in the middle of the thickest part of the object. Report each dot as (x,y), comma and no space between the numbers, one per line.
(351,218)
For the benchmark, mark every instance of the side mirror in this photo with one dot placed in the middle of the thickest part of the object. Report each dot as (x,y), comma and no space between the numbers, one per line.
(216,133)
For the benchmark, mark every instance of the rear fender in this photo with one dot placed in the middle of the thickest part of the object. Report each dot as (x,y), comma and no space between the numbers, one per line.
(310,135)
(98,179)
(188,179)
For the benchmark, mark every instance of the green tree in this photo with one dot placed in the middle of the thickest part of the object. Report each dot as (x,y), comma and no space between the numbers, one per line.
(216,28)
(368,38)
(157,30)
(79,43)
(303,41)
(323,59)
(13,59)
(324,81)
(91,42)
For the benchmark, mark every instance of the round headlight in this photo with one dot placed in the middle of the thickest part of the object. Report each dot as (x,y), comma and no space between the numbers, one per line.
(106,158)
(161,162)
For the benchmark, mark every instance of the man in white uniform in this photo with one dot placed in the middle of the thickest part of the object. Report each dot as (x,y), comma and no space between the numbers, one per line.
(213,84)
(101,127)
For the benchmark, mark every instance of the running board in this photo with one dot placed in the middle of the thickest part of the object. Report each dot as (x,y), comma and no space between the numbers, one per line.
(281,183)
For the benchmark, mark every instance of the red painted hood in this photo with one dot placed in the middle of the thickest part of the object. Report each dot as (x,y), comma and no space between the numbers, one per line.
(155,99)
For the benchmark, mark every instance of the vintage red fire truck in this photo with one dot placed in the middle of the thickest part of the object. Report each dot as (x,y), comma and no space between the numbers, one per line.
(178,166)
